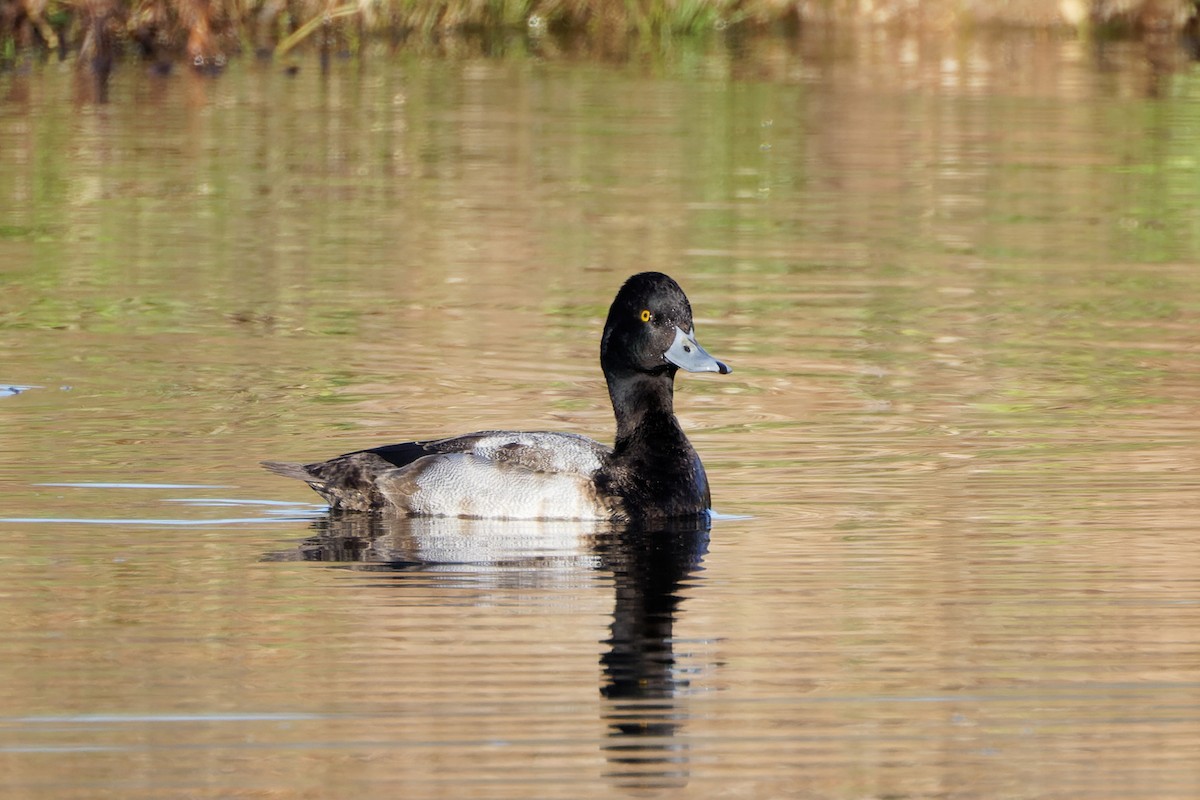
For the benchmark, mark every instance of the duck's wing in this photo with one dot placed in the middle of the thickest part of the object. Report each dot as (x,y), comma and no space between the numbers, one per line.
(445,471)
(540,451)
(502,474)
(469,485)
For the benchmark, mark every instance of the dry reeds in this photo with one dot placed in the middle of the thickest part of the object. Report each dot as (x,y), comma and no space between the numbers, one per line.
(206,32)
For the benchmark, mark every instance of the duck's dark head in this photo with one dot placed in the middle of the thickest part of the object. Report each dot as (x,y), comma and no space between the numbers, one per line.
(649,330)
(648,336)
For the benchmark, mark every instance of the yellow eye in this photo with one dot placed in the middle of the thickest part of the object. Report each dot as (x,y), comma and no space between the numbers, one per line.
(645,315)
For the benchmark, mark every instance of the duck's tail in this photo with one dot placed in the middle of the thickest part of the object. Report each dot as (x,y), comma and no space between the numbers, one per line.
(297,471)
(346,482)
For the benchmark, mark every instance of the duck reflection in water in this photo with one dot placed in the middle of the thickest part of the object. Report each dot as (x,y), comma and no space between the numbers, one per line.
(643,684)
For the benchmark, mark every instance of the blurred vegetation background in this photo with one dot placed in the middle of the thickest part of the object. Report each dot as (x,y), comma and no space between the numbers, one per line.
(207,32)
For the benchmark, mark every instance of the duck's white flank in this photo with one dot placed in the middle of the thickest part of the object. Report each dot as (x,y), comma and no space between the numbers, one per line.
(469,485)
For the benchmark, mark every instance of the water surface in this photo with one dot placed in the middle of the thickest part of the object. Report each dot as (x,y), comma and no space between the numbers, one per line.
(956,464)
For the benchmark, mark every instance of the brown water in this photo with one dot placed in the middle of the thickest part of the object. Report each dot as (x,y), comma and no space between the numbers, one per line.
(956,465)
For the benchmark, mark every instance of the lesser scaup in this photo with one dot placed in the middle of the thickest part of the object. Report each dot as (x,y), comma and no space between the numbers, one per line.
(651,472)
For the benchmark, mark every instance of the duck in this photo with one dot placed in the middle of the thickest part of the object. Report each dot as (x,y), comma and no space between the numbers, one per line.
(651,472)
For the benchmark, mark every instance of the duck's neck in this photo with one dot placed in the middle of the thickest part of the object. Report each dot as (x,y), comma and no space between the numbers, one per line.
(653,470)
(641,402)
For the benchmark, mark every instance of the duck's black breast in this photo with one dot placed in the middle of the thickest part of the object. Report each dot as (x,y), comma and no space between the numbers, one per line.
(656,473)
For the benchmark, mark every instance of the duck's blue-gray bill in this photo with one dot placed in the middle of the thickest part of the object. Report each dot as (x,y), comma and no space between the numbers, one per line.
(686,353)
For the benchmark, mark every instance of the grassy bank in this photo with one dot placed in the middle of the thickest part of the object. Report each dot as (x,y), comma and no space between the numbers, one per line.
(206,32)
